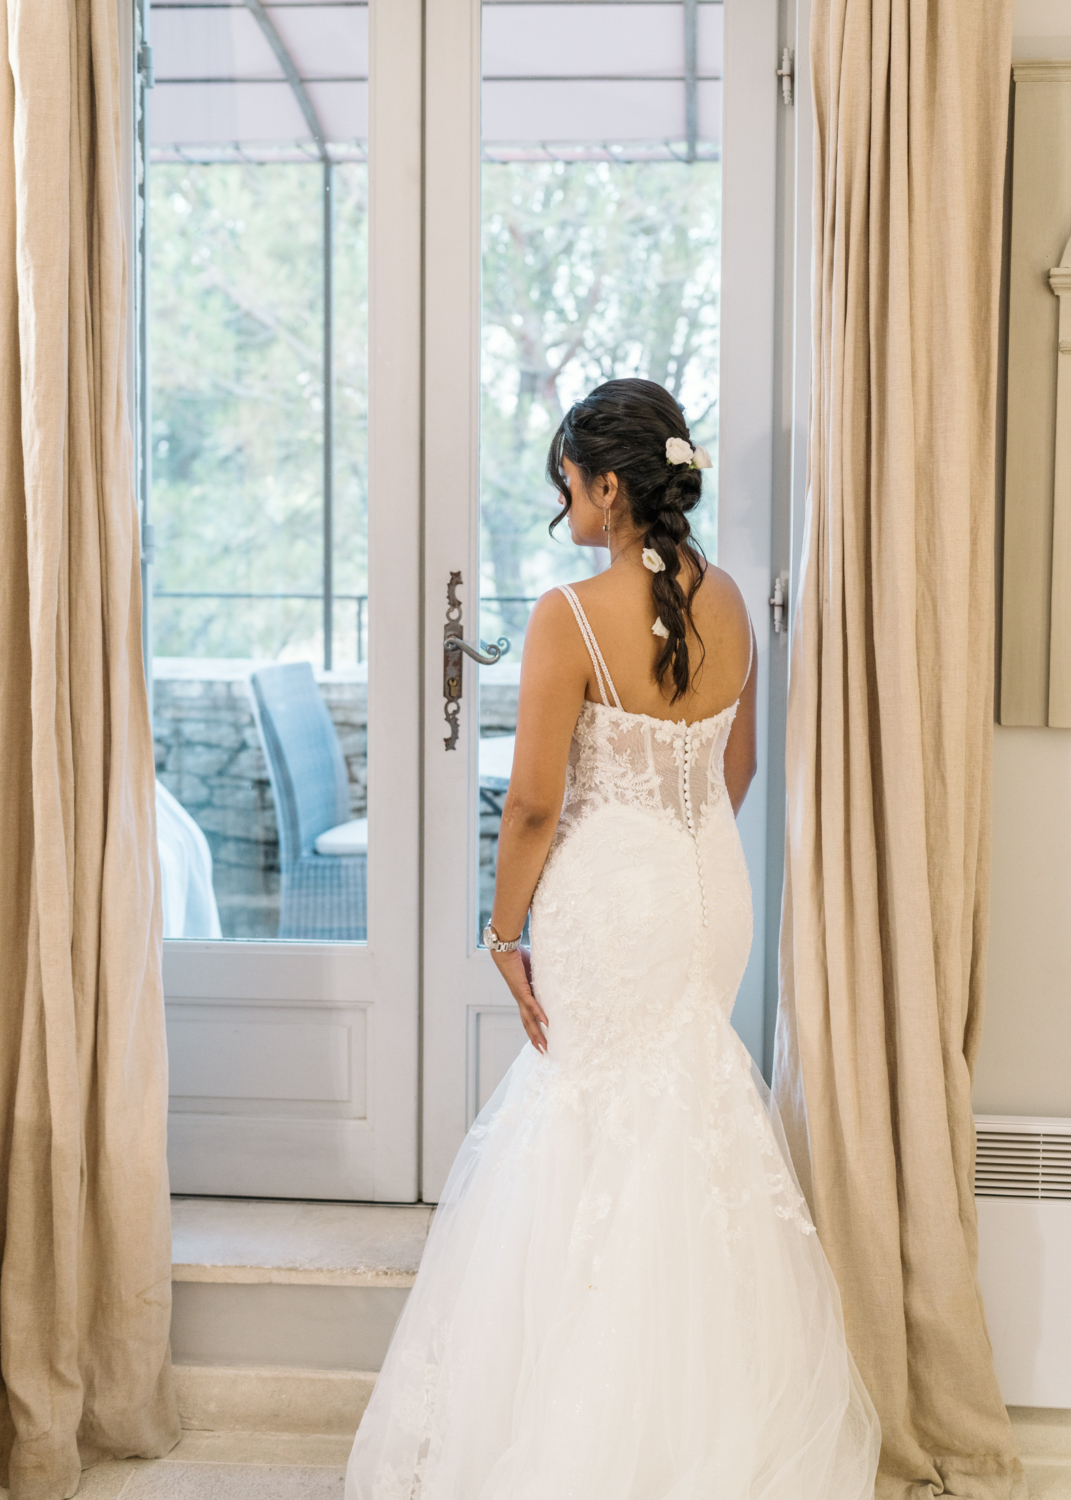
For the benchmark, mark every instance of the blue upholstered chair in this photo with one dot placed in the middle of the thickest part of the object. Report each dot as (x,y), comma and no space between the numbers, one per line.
(323,853)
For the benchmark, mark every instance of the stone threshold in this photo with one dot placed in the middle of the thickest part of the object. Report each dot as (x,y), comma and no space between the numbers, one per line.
(250,1241)
(263,1399)
(331,1402)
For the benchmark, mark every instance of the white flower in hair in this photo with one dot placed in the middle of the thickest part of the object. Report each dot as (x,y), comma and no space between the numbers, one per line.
(678,451)
(659,629)
(652,561)
(702,459)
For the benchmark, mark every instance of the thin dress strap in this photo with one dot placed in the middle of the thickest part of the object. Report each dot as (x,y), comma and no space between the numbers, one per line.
(602,676)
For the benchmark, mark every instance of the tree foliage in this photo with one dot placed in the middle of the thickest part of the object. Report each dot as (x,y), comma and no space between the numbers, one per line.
(590,270)
(237,402)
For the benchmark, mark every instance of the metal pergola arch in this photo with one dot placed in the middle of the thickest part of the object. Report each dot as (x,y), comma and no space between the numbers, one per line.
(316,130)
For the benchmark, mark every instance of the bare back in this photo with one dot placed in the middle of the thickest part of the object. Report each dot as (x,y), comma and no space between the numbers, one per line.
(619,605)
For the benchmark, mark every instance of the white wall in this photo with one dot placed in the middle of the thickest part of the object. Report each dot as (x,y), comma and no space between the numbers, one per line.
(1024,1066)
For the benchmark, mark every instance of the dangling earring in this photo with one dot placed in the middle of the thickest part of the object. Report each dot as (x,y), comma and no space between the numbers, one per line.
(606,519)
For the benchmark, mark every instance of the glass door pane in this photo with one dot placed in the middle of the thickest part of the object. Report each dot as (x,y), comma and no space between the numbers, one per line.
(258,331)
(281,198)
(600,224)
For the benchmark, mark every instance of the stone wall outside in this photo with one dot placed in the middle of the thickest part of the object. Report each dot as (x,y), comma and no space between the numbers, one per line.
(209,757)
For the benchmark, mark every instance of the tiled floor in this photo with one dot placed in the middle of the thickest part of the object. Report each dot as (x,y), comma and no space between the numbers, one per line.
(1043,1437)
(227,1466)
(294,1466)
(1049,1481)
(257,1466)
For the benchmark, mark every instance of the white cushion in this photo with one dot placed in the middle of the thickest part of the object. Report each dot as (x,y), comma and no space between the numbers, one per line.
(345,838)
(496,756)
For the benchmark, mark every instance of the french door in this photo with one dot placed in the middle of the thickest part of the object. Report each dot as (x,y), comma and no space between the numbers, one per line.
(550,192)
(582,102)
(280,423)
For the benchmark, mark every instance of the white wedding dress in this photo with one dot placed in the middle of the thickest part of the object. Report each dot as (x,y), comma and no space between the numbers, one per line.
(622,1295)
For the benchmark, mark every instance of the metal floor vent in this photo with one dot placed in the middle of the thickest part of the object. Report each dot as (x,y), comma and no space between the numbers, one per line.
(1019,1157)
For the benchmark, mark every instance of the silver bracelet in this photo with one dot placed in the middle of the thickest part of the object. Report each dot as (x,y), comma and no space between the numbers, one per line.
(492,940)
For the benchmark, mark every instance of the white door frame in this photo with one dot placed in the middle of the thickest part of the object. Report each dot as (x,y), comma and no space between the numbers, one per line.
(800,170)
(355,1007)
(463,993)
(465,1002)
(792,421)
(746,411)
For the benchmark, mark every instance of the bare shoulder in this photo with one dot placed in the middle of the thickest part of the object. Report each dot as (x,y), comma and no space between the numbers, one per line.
(552,628)
(721,592)
(551,614)
(722,615)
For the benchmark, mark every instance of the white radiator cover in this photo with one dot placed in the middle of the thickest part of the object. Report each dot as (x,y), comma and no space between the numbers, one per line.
(1022,1190)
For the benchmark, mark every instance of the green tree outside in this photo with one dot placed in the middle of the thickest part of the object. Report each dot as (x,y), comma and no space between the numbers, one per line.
(237,404)
(590,270)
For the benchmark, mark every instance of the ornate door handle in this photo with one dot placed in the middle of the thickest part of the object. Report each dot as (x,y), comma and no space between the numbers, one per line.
(486,658)
(453,649)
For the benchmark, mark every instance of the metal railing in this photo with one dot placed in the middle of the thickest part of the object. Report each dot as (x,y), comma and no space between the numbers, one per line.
(360,600)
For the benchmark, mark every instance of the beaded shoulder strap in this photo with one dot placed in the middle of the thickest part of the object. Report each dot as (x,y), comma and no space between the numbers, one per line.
(602,676)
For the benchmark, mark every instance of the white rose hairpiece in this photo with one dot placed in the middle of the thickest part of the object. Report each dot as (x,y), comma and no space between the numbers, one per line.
(652,561)
(680,451)
(659,629)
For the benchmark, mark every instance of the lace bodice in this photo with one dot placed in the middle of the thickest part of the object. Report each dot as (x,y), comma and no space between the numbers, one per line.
(667,767)
(641,919)
(673,769)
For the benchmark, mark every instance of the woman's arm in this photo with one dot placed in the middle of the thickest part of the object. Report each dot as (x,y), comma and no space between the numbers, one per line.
(740,759)
(554,673)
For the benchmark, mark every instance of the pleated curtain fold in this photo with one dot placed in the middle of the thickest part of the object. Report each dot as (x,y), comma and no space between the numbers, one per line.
(890,716)
(84,1213)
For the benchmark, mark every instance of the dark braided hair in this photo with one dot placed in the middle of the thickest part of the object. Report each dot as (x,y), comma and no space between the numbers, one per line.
(621,428)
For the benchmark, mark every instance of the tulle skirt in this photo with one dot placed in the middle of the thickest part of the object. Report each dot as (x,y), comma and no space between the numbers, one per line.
(622,1305)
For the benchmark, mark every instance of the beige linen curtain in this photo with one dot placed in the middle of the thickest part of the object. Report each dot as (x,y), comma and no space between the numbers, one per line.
(890,715)
(84,1227)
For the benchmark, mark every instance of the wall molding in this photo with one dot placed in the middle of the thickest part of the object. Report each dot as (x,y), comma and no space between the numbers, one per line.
(1042,70)
(1035,671)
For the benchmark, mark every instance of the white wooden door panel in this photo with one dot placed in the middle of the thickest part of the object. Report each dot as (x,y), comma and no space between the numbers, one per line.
(290,1073)
(221,1054)
(496,1036)
(232,1156)
(458,974)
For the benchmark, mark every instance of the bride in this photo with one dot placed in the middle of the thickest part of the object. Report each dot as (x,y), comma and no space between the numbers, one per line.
(622,1295)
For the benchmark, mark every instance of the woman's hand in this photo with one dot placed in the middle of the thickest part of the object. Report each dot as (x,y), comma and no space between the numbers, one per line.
(516,970)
